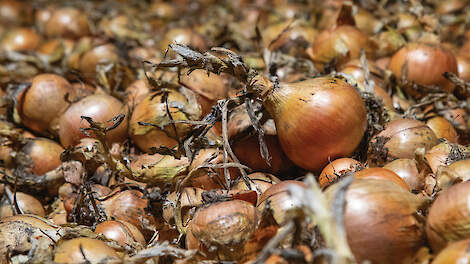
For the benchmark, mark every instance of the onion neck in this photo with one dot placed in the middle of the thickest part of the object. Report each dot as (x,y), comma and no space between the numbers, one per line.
(261,86)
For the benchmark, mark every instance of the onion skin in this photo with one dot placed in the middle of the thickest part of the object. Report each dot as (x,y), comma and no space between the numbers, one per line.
(380,221)
(456,252)
(259,182)
(102,54)
(96,251)
(27,203)
(405,136)
(303,113)
(331,173)
(448,218)
(463,64)
(425,64)
(381,174)
(101,108)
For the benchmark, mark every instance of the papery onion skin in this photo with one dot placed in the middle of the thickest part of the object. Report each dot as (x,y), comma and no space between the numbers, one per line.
(425,64)
(122,232)
(27,203)
(304,113)
(443,129)
(448,218)
(380,221)
(407,170)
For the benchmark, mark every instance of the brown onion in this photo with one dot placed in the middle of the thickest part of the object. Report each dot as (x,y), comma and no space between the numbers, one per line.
(448,218)
(381,174)
(442,155)
(137,91)
(403,136)
(100,107)
(44,154)
(184,36)
(67,22)
(21,40)
(303,112)
(153,110)
(456,252)
(157,169)
(380,221)
(27,204)
(335,169)
(278,200)
(14,12)
(41,106)
(342,43)
(103,54)
(209,88)
(443,129)
(259,182)
(122,232)
(191,197)
(82,249)
(224,228)
(407,169)
(289,38)
(424,63)
(463,65)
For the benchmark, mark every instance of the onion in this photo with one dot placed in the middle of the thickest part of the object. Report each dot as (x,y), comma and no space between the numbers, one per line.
(44,154)
(184,36)
(41,105)
(122,232)
(403,136)
(246,146)
(381,174)
(293,41)
(20,40)
(259,182)
(407,169)
(278,200)
(342,43)
(153,109)
(209,178)
(82,249)
(157,169)
(137,91)
(27,203)
(335,169)
(380,221)
(14,12)
(191,197)
(223,228)
(456,252)
(67,22)
(43,15)
(303,112)
(443,155)
(424,63)
(209,88)
(103,54)
(102,108)
(443,129)
(448,219)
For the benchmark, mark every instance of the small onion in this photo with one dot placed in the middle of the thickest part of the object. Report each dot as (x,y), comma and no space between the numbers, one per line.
(184,36)
(456,252)
(84,249)
(20,40)
(100,107)
(278,200)
(380,221)
(27,203)
(103,54)
(443,129)
(153,110)
(122,232)
(381,174)
(342,43)
(407,169)
(67,22)
(137,91)
(44,153)
(13,12)
(41,105)
(224,227)
(448,218)
(335,169)
(259,182)
(157,169)
(404,136)
(463,64)
(440,155)
(191,197)
(424,64)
